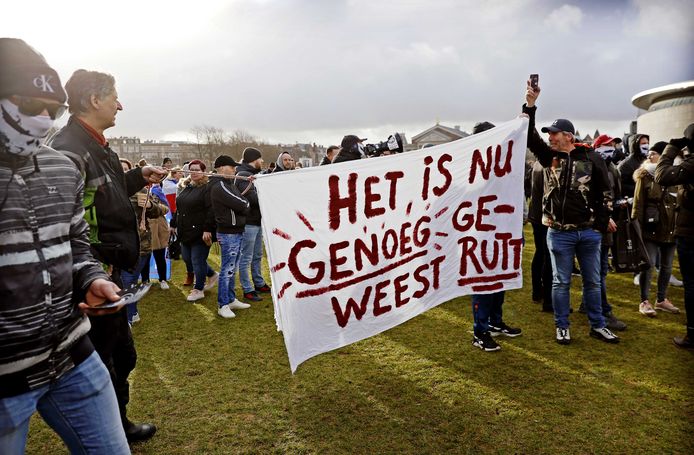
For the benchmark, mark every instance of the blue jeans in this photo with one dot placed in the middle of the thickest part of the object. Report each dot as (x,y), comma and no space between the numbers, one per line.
(486,310)
(230,246)
(685,253)
(604,269)
(664,254)
(251,255)
(81,407)
(563,247)
(195,256)
(131,277)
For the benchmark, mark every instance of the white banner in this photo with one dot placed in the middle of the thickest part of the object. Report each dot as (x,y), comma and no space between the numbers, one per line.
(359,247)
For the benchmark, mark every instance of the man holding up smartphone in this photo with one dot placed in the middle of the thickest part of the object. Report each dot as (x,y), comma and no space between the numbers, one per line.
(577,204)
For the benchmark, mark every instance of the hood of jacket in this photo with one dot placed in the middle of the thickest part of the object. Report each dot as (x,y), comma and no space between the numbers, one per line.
(247,167)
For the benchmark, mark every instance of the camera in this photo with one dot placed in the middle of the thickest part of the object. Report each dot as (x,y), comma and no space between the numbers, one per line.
(392,145)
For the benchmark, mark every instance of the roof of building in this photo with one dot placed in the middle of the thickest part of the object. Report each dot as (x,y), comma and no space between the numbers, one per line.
(453,132)
(645,99)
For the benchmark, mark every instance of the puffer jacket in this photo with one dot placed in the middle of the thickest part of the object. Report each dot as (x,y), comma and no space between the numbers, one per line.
(666,173)
(246,170)
(44,254)
(663,199)
(577,193)
(630,165)
(194,214)
(111,219)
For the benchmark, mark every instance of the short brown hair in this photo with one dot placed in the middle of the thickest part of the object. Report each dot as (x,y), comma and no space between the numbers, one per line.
(83,84)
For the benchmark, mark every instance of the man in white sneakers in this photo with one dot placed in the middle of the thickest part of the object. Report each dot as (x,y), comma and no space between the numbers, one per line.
(230,210)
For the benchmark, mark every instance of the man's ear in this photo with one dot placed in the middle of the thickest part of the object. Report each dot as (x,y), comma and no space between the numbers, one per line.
(94,102)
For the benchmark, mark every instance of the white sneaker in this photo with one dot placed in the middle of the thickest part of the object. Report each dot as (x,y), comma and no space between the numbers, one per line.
(195,295)
(164,285)
(605,335)
(637,279)
(238,305)
(136,318)
(563,336)
(226,312)
(675,282)
(211,281)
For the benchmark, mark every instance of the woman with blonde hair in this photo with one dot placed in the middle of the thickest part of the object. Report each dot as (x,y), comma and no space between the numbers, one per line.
(194,223)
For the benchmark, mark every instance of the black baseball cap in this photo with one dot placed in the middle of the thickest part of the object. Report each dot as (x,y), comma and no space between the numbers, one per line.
(349,141)
(560,124)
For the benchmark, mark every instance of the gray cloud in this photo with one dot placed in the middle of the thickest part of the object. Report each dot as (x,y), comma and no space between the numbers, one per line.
(285,70)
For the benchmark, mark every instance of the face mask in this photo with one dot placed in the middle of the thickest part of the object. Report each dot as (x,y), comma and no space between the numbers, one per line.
(19,133)
(650,167)
(606,152)
(644,148)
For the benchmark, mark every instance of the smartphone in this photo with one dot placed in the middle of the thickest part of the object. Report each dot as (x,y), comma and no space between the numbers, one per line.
(128,295)
(534,79)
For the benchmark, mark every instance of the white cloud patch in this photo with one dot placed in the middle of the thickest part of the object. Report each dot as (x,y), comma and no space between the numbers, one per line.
(670,19)
(565,19)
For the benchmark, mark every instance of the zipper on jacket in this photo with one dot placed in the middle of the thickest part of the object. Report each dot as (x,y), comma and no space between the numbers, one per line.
(233,217)
(567,181)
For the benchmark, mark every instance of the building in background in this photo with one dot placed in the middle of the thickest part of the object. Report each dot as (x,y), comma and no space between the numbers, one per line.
(664,112)
(437,134)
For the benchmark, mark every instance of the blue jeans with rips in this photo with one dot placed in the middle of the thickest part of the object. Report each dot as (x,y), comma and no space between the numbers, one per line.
(195,256)
(563,246)
(486,309)
(251,256)
(230,246)
(81,407)
(131,277)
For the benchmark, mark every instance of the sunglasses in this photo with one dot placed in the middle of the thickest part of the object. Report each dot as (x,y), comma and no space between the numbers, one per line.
(33,107)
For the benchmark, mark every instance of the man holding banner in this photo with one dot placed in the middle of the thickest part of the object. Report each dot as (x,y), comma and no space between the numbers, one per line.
(576,208)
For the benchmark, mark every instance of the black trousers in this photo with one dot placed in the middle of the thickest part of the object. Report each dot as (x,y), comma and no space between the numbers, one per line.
(160,261)
(541,269)
(113,340)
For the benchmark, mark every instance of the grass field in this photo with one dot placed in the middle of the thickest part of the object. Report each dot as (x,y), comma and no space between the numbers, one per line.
(224,386)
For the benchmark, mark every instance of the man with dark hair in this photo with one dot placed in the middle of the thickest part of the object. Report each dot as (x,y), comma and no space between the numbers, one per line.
(93,101)
(667,174)
(576,208)
(330,155)
(252,244)
(47,362)
(167,163)
(230,209)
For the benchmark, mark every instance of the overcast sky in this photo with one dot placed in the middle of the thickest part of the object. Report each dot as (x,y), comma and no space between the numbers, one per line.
(312,71)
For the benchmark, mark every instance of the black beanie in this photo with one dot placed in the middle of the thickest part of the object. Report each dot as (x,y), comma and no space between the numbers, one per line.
(658,147)
(250,154)
(24,72)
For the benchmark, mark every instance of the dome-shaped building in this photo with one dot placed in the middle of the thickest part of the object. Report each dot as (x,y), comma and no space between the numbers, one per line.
(665,111)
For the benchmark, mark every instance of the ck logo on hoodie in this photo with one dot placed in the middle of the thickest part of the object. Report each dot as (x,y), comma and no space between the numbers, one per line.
(44,83)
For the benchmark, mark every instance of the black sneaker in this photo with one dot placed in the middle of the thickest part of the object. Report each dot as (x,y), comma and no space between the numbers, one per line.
(605,335)
(613,323)
(263,289)
(252,296)
(485,342)
(683,342)
(503,329)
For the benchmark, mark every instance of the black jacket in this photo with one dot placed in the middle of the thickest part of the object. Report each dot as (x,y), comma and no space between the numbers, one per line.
(230,208)
(667,174)
(194,214)
(630,164)
(346,155)
(246,170)
(325,161)
(112,222)
(537,190)
(577,192)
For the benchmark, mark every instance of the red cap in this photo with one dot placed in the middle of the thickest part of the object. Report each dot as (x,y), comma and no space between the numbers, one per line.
(605,139)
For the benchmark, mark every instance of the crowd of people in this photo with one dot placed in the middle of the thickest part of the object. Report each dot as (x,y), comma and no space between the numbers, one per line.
(78,224)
